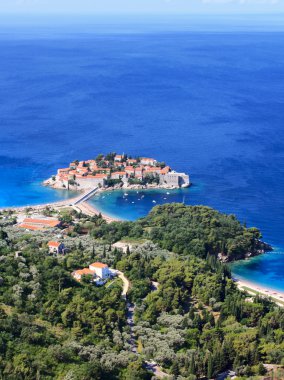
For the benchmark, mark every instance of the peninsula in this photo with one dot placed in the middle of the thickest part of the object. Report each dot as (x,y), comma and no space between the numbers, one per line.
(114,171)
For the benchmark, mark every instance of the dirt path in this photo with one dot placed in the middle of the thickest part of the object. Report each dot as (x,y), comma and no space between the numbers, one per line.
(126,284)
(150,365)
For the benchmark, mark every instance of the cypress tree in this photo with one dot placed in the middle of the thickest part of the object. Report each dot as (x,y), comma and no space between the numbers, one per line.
(192,365)
(210,366)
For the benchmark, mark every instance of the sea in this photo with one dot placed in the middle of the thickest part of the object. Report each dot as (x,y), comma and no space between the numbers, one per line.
(204,94)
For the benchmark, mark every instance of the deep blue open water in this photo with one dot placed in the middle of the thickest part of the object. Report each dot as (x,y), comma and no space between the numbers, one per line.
(209,103)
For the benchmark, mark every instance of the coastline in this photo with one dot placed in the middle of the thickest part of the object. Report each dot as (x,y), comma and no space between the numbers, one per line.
(84,207)
(88,209)
(254,289)
(91,210)
(41,206)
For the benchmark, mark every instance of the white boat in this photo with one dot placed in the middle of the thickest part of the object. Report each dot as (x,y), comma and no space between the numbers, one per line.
(154,201)
(168,193)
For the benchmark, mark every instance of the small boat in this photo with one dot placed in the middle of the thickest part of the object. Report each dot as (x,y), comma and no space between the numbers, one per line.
(132,202)
(154,201)
(165,198)
(168,193)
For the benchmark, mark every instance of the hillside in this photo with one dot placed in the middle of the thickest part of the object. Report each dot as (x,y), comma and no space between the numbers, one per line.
(189,317)
(192,230)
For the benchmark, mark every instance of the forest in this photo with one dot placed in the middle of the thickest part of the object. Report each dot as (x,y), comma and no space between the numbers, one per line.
(190,230)
(189,316)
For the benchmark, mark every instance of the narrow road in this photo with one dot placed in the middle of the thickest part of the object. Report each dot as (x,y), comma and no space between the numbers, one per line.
(126,284)
(130,310)
(157,371)
(151,365)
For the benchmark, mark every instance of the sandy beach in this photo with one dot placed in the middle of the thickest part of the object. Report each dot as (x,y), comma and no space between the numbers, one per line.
(90,210)
(252,288)
(84,207)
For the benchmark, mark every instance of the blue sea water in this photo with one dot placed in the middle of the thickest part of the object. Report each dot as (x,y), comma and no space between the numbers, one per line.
(209,103)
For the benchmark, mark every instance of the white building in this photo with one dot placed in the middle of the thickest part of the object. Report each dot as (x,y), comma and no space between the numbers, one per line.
(101,270)
(148,161)
(55,247)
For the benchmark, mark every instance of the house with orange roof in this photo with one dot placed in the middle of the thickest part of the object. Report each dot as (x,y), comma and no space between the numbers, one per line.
(56,247)
(139,171)
(131,161)
(39,224)
(78,274)
(148,161)
(118,175)
(118,157)
(129,170)
(99,272)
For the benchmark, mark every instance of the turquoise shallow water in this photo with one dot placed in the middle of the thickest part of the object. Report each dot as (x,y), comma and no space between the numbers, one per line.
(134,204)
(266,270)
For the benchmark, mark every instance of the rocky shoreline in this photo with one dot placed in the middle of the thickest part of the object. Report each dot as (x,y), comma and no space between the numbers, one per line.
(261,248)
(58,186)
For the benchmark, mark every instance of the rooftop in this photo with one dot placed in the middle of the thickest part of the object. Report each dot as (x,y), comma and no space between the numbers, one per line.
(99,265)
(54,244)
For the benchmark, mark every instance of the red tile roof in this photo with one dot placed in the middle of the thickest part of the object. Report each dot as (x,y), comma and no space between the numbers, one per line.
(84,271)
(98,265)
(165,170)
(41,222)
(54,244)
(129,168)
(63,170)
(29,227)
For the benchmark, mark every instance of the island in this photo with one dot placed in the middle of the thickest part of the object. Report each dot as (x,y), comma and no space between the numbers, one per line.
(117,170)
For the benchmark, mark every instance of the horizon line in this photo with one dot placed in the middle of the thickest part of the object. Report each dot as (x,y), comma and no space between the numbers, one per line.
(144,13)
